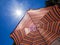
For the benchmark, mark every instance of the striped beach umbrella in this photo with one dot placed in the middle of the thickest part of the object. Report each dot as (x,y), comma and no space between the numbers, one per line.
(38,27)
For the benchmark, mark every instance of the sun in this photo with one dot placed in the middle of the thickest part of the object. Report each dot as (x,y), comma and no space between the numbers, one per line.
(18,12)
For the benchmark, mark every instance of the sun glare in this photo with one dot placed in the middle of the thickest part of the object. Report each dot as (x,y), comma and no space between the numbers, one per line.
(18,12)
(27,30)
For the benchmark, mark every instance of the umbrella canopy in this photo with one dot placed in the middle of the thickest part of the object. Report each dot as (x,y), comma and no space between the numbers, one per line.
(38,27)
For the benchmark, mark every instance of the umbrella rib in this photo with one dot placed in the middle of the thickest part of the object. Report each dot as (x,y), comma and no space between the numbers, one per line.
(37,29)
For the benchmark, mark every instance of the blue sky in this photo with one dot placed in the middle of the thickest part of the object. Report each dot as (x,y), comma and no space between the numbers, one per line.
(8,21)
